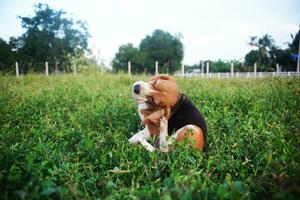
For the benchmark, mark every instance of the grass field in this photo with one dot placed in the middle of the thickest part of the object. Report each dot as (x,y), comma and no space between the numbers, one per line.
(66,137)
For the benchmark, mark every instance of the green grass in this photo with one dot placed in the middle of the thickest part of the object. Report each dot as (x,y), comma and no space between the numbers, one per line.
(61,135)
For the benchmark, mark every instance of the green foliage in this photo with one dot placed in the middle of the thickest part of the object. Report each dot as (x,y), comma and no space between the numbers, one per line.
(6,55)
(161,46)
(268,55)
(251,58)
(218,66)
(231,189)
(65,137)
(282,57)
(49,36)
(128,52)
(85,64)
(264,45)
(294,45)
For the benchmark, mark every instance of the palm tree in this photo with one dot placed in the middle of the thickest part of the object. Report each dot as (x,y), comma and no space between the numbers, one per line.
(294,45)
(264,45)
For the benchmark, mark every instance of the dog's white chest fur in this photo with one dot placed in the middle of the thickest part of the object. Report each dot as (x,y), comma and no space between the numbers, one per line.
(142,106)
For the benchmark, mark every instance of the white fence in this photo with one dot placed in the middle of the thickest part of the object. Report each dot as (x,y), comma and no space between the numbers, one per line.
(46,68)
(230,74)
(199,73)
(240,74)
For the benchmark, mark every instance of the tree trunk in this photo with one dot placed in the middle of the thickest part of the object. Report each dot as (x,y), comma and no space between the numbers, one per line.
(259,57)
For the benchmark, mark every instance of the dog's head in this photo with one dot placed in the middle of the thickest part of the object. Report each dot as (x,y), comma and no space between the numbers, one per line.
(165,91)
(160,94)
(161,90)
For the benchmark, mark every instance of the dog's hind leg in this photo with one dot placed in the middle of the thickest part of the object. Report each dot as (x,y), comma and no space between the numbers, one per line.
(190,132)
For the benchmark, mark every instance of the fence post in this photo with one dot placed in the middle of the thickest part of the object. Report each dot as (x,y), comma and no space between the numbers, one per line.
(129,68)
(248,74)
(273,74)
(202,69)
(277,68)
(156,67)
(218,74)
(17,69)
(231,70)
(46,68)
(101,69)
(207,69)
(75,70)
(289,74)
(255,68)
(182,69)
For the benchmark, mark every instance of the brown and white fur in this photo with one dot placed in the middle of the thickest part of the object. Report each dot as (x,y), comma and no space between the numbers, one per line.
(162,93)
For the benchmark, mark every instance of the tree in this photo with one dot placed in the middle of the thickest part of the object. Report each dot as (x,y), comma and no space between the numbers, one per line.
(161,46)
(294,45)
(282,57)
(6,55)
(50,36)
(219,66)
(294,49)
(85,64)
(264,45)
(128,52)
(251,58)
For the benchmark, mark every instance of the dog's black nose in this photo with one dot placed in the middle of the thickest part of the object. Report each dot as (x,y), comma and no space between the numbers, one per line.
(137,88)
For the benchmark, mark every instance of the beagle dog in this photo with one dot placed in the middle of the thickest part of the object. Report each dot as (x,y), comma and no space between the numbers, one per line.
(168,114)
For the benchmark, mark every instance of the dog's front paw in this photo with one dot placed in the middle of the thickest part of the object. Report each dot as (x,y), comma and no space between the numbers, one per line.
(164,148)
(135,139)
(163,134)
(163,126)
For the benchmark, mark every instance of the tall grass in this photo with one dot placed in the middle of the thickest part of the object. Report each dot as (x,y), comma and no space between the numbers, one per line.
(66,137)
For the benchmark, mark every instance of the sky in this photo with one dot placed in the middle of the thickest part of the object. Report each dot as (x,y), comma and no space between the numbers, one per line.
(211,29)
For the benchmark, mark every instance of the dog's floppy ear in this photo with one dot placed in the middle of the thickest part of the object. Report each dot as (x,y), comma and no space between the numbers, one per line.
(158,97)
(167,112)
(145,112)
(153,118)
